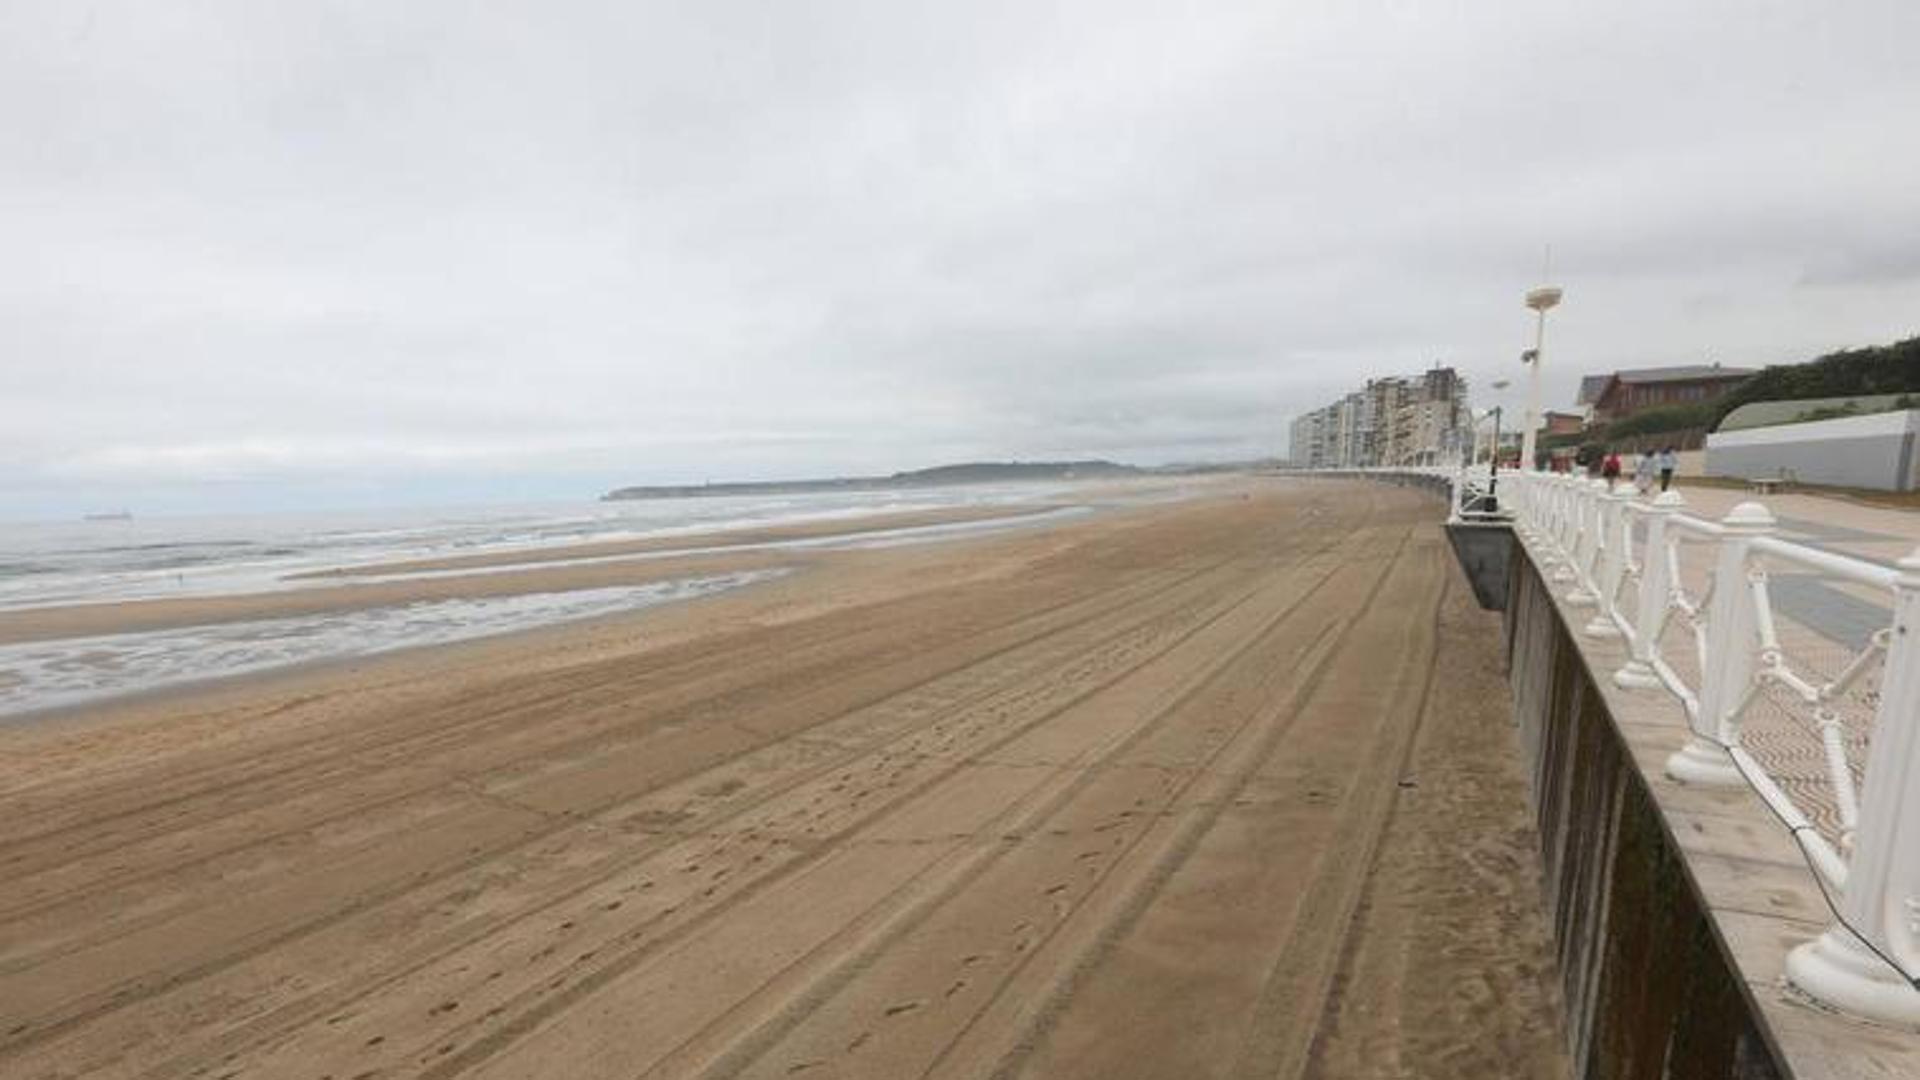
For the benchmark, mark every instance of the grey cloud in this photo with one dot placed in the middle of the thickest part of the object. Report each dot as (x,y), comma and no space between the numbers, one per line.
(560,246)
(1869,264)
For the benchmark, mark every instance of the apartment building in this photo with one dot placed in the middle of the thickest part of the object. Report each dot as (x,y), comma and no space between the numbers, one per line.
(1397,420)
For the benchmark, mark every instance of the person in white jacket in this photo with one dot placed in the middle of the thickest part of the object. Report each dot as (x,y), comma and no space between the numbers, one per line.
(1643,471)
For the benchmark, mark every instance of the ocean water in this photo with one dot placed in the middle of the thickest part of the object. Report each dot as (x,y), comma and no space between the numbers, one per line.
(50,674)
(67,562)
(60,563)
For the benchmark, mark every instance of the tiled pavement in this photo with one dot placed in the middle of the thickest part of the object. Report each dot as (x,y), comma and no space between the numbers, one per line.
(1823,624)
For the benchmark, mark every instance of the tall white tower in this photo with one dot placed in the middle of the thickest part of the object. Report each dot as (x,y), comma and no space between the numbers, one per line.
(1540,299)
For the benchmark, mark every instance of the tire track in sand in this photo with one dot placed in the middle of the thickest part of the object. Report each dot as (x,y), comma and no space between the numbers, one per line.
(883,918)
(467,718)
(1004,995)
(514,1017)
(359,800)
(1200,1015)
(536,827)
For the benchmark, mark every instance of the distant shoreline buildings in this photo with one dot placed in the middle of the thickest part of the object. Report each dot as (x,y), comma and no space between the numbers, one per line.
(1398,420)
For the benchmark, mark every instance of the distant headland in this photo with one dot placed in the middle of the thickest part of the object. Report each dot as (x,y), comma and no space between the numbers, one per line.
(978,472)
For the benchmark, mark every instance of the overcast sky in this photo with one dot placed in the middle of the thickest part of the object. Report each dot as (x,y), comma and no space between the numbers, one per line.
(269,254)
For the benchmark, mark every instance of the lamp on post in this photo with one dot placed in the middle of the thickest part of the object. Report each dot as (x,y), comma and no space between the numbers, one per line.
(1493,458)
(1540,299)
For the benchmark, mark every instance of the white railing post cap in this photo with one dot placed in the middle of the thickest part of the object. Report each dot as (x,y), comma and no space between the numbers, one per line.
(1749,517)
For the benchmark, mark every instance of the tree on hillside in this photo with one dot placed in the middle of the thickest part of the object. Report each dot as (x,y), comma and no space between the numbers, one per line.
(1877,369)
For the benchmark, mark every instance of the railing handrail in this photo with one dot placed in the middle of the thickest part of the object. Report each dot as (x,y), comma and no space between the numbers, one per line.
(1858,571)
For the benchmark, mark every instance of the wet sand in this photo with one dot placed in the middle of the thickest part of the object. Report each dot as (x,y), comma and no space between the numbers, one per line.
(1205,789)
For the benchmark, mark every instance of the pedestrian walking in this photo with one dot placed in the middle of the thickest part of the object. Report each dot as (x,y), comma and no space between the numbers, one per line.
(1610,467)
(1643,472)
(1668,462)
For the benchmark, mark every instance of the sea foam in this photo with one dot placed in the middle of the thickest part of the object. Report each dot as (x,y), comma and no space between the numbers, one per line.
(73,671)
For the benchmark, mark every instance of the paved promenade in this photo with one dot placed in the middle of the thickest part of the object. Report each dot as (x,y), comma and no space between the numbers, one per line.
(1867,532)
(1824,625)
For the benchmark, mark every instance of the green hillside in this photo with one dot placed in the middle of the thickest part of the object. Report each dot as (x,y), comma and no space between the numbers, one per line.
(1876,369)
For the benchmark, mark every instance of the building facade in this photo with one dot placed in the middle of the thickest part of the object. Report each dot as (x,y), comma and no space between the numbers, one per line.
(1563,423)
(1623,393)
(1398,420)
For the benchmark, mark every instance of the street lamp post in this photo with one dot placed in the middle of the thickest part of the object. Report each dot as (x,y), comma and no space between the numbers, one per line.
(1539,300)
(1493,465)
(1493,458)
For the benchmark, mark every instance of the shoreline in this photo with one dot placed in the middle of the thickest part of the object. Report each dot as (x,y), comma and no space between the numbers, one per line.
(74,703)
(932,560)
(710,541)
(66,662)
(559,569)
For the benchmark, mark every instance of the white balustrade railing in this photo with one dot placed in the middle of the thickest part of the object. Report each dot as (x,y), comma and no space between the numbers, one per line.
(1826,733)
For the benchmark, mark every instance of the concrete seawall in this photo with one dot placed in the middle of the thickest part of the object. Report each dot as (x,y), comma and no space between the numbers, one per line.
(1651,988)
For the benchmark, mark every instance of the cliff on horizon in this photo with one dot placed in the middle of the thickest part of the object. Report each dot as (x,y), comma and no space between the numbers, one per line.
(978,472)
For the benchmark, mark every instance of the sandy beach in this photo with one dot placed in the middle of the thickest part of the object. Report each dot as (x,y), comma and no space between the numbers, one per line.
(1219,787)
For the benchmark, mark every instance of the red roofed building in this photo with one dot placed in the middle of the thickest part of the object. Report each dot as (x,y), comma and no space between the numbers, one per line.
(1564,423)
(1624,393)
